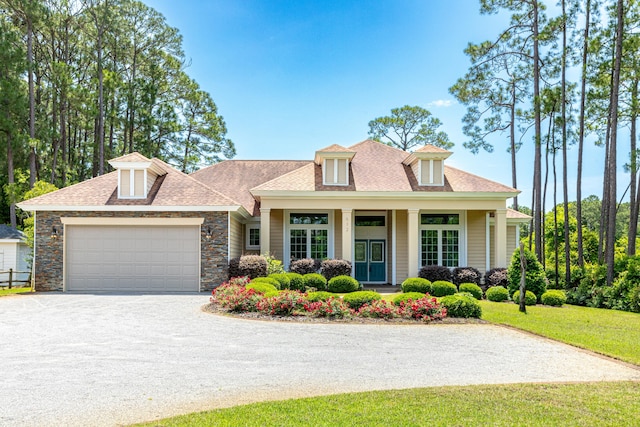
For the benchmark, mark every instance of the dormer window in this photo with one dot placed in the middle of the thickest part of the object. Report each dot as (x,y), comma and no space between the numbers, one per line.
(335,164)
(335,172)
(136,175)
(427,165)
(133,183)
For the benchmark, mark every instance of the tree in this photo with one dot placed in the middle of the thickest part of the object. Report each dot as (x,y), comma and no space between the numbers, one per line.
(409,127)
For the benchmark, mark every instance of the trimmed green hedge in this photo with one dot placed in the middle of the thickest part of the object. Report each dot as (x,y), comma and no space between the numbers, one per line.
(442,288)
(261,287)
(296,281)
(497,294)
(319,296)
(315,280)
(343,284)
(416,284)
(282,278)
(407,296)
(472,288)
(554,297)
(355,300)
(529,298)
(268,280)
(461,305)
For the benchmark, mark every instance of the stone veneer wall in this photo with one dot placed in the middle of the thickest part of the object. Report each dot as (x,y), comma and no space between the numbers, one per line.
(48,262)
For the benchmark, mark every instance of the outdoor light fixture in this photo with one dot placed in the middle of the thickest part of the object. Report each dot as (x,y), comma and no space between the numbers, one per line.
(54,232)
(208,234)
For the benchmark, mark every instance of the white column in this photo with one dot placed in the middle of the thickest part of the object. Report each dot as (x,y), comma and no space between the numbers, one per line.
(500,235)
(265,230)
(347,234)
(412,241)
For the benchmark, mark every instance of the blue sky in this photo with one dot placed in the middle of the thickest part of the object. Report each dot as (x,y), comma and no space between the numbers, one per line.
(291,77)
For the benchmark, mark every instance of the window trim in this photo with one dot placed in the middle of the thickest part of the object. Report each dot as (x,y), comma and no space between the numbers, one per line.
(132,182)
(336,162)
(431,182)
(462,235)
(288,227)
(247,243)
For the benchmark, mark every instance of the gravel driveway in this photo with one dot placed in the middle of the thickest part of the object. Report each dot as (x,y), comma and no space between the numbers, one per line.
(77,359)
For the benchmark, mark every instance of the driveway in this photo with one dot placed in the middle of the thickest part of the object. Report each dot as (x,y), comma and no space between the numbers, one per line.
(77,359)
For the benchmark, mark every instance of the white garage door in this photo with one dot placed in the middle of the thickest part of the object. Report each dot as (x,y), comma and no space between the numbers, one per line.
(132,258)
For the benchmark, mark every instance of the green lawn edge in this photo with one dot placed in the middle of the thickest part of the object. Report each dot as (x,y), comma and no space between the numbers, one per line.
(13,291)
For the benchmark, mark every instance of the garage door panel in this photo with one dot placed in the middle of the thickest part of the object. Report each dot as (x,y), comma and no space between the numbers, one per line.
(120,258)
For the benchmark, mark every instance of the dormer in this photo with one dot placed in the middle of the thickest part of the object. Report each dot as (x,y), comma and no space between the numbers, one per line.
(136,175)
(335,164)
(427,164)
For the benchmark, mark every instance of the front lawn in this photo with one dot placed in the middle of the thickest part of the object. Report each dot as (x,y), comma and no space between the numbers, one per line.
(13,291)
(588,404)
(609,332)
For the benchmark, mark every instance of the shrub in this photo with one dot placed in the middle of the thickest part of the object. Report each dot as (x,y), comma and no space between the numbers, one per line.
(426,309)
(304,266)
(461,305)
(315,280)
(355,300)
(441,288)
(634,299)
(496,277)
(497,294)
(434,273)
(343,284)
(397,300)
(261,287)
(333,307)
(535,279)
(282,278)
(554,297)
(379,309)
(274,266)
(331,268)
(319,296)
(239,281)
(235,297)
(268,280)
(285,303)
(465,275)
(248,265)
(271,294)
(529,298)
(416,284)
(296,282)
(472,288)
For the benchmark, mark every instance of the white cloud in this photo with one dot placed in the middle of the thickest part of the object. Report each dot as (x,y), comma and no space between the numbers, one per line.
(441,103)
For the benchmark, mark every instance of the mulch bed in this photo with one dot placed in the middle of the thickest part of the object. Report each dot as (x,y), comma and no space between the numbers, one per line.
(216,309)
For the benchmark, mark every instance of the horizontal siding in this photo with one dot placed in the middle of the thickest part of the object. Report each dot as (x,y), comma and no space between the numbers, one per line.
(511,241)
(235,238)
(402,249)
(476,239)
(276,237)
(492,247)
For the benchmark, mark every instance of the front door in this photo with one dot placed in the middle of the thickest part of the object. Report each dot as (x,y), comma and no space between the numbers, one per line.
(370,262)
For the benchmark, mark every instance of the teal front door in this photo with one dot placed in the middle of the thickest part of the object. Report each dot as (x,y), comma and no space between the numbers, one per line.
(370,262)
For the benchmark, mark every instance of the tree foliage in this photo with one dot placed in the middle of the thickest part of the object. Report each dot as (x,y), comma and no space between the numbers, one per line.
(409,127)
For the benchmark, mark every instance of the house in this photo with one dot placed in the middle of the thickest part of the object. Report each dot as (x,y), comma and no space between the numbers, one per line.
(149,227)
(15,255)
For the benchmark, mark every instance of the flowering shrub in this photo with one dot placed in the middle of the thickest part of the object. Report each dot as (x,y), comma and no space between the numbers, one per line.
(496,277)
(407,296)
(466,275)
(379,309)
(335,267)
(332,307)
(425,309)
(304,266)
(319,296)
(248,265)
(355,300)
(283,304)
(235,297)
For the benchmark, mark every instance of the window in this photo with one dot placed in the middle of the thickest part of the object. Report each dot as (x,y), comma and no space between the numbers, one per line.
(133,183)
(308,235)
(335,172)
(440,242)
(253,236)
(370,221)
(431,172)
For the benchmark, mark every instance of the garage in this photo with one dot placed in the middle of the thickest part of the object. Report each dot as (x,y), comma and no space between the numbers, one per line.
(132,258)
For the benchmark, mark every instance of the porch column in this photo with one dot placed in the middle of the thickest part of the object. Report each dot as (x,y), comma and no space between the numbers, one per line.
(412,241)
(265,230)
(347,234)
(500,236)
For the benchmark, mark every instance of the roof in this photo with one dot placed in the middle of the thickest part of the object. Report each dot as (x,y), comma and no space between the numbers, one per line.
(235,178)
(431,149)
(9,233)
(175,189)
(377,167)
(335,148)
(516,215)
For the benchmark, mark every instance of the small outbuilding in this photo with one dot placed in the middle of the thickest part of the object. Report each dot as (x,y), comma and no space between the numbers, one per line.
(15,255)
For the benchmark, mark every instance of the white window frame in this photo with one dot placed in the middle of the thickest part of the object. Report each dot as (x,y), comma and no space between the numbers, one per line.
(132,182)
(248,244)
(462,239)
(288,227)
(334,178)
(431,183)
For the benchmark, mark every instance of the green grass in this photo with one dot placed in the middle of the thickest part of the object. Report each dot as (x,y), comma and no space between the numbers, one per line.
(13,291)
(590,404)
(609,332)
